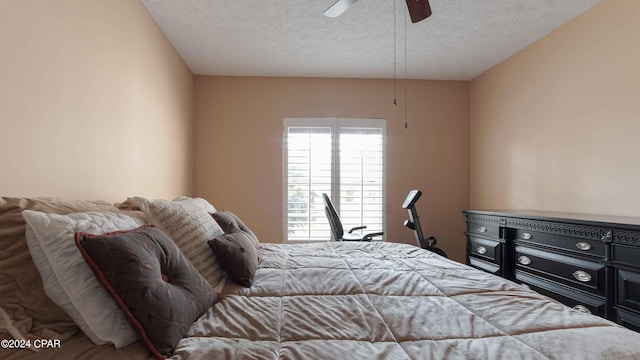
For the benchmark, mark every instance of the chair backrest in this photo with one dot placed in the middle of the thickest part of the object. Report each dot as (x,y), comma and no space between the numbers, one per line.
(334,219)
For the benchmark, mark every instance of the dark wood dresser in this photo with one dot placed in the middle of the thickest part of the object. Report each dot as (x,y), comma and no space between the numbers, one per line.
(588,262)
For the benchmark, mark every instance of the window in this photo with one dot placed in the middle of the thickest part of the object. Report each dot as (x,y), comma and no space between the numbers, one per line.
(344,158)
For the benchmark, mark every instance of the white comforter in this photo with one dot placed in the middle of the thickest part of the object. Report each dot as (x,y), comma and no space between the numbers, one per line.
(341,300)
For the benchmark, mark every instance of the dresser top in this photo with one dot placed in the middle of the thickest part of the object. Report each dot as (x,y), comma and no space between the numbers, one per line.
(627,222)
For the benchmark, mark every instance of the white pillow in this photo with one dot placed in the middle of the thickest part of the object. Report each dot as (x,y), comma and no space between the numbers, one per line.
(67,278)
(189,223)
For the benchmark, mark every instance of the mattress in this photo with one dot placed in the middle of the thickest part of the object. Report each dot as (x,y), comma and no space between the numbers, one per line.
(378,300)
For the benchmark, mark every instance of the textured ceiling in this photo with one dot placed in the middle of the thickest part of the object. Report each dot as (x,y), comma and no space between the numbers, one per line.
(461,40)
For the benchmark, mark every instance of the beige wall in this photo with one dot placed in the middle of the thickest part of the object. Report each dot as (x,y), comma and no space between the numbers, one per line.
(239,146)
(557,126)
(94,102)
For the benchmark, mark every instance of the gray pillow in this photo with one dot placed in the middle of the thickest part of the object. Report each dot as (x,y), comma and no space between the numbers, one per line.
(158,289)
(230,222)
(236,249)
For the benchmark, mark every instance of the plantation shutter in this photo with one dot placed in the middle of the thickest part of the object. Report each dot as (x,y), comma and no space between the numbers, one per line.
(309,175)
(361,178)
(341,157)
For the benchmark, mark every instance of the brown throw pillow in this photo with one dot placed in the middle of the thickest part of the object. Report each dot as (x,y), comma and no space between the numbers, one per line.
(237,255)
(230,222)
(236,249)
(159,290)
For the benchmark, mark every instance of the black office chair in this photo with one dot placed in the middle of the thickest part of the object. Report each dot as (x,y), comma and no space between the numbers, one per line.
(336,225)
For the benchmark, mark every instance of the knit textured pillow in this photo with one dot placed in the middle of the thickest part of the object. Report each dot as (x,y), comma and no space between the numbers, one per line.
(158,289)
(188,223)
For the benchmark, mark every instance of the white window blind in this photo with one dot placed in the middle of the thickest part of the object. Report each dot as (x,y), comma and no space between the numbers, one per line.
(344,158)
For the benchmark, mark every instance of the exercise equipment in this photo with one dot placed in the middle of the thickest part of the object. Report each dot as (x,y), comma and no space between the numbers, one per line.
(414,224)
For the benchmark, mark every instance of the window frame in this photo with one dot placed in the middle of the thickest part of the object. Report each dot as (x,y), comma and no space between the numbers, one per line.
(335,124)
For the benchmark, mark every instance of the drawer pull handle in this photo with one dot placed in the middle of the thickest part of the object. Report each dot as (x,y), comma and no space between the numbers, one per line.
(582,308)
(583,246)
(524,260)
(481,250)
(582,276)
(526,236)
(482,229)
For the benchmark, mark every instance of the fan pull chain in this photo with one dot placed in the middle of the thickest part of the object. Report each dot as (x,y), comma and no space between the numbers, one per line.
(395,58)
(406,125)
(406,100)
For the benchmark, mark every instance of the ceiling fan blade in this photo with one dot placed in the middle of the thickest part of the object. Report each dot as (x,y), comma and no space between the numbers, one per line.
(339,7)
(418,10)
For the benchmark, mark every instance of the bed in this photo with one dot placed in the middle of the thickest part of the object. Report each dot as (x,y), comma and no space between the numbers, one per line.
(329,300)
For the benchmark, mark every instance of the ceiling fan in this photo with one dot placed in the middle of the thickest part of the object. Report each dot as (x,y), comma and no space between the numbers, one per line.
(418,9)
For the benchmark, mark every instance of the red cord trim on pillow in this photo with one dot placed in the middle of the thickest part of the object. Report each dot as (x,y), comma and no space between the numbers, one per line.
(103,280)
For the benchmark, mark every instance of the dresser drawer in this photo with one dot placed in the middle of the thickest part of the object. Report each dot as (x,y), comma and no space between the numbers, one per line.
(485,265)
(628,319)
(484,228)
(590,247)
(627,255)
(574,299)
(628,289)
(577,273)
(484,248)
